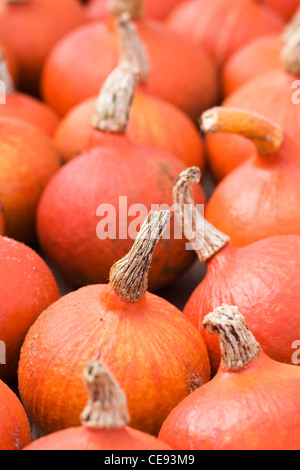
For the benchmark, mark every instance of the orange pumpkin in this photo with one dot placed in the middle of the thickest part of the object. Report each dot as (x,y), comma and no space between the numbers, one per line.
(153,123)
(137,335)
(254,59)
(180,73)
(286,8)
(24,107)
(260,198)
(27,288)
(104,421)
(27,162)
(223,26)
(15,429)
(42,24)
(274,95)
(156,9)
(245,405)
(234,274)
(118,183)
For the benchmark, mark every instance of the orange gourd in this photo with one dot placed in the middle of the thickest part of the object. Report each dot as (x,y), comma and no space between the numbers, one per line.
(286,8)
(260,279)
(156,9)
(251,404)
(27,162)
(15,429)
(260,198)
(22,106)
(137,335)
(118,183)
(250,61)
(192,87)
(104,420)
(153,122)
(223,26)
(274,95)
(27,289)
(42,24)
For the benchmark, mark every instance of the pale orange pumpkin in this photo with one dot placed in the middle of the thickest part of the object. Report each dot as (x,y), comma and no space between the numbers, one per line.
(137,335)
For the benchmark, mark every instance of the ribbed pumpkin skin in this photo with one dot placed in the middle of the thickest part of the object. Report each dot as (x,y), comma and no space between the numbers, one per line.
(15,429)
(138,342)
(256,409)
(27,289)
(67,223)
(254,59)
(153,123)
(260,198)
(156,9)
(31,17)
(262,280)
(269,95)
(223,26)
(81,438)
(27,162)
(285,7)
(192,87)
(31,110)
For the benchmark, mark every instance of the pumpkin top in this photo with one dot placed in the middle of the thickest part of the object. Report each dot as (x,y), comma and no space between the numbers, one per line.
(205,239)
(107,404)
(129,276)
(238,345)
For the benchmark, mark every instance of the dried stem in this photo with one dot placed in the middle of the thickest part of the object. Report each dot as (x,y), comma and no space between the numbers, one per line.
(115,100)
(5,75)
(129,276)
(205,239)
(238,345)
(107,405)
(133,51)
(291,52)
(133,7)
(266,135)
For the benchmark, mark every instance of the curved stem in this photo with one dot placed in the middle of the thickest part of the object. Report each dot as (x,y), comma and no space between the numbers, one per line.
(266,136)
(133,7)
(114,102)
(133,51)
(107,404)
(238,345)
(205,239)
(129,276)
(5,75)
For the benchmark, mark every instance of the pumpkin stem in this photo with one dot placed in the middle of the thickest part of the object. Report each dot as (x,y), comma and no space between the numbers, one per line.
(5,75)
(291,51)
(129,276)
(133,7)
(292,27)
(266,135)
(114,102)
(133,51)
(238,345)
(205,239)
(107,404)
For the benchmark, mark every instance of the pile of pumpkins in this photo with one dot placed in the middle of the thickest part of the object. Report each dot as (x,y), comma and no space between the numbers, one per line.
(114,115)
